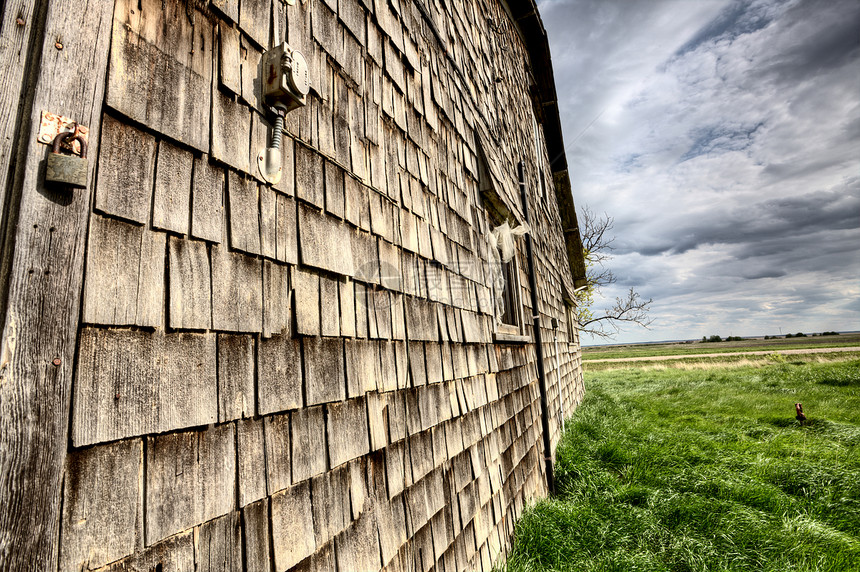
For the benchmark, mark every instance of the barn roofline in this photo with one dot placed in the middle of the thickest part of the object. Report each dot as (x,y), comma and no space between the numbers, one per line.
(530,26)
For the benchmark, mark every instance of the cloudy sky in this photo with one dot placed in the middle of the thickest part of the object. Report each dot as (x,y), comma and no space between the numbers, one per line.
(724,139)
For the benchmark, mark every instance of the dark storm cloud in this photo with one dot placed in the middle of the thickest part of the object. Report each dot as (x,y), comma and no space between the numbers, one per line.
(779,218)
(735,20)
(822,35)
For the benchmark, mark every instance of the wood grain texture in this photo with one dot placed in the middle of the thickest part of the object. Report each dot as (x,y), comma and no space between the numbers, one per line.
(175,554)
(255,524)
(237,291)
(207,200)
(190,478)
(219,545)
(324,370)
(347,431)
(279,374)
(292,526)
(330,503)
(162,53)
(44,271)
(126,171)
(308,441)
(171,205)
(124,279)
(135,382)
(251,449)
(101,504)
(229,71)
(231,128)
(277,299)
(236,365)
(278,471)
(190,288)
(244,203)
(15,52)
(306,286)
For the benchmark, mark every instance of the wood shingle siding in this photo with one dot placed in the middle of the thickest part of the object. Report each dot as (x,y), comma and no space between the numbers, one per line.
(293,376)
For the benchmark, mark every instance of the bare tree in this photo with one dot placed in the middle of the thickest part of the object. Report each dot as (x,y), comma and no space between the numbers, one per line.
(597,246)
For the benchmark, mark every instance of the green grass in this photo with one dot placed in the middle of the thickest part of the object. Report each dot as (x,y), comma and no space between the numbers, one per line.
(705,470)
(666,349)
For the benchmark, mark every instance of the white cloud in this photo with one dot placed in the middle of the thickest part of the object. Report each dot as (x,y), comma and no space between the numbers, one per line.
(724,138)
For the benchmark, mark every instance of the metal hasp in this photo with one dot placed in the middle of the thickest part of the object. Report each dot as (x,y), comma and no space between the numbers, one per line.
(544,408)
(69,170)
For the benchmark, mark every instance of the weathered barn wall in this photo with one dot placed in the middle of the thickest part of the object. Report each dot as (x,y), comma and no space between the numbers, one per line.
(308,374)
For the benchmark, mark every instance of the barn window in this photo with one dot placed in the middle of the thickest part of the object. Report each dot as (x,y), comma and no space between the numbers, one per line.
(502,227)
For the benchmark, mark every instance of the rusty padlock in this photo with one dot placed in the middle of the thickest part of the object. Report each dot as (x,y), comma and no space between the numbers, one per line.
(68,170)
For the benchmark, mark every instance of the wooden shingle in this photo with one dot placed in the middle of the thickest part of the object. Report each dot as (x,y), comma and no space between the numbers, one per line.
(124,281)
(190,478)
(190,289)
(160,53)
(137,382)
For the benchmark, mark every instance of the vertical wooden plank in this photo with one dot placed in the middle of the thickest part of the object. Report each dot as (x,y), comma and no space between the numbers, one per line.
(124,282)
(277,434)
(277,298)
(220,545)
(45,271)
(15,53)
(244,213)
(292,526)
(231,129)
(251,444)
(325,377)
(279,373)
(237,291)
(228,57)
(308,442)
(255,522)
(136,382)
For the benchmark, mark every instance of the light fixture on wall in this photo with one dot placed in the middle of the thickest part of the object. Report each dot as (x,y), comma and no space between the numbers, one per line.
(285,84)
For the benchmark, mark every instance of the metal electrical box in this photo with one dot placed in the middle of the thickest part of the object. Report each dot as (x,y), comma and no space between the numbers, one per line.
(286,80)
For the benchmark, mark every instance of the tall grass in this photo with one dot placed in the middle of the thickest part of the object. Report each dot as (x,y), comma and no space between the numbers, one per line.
(695,470)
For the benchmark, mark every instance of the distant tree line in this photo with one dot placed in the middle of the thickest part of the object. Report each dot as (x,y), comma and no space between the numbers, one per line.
(711,339)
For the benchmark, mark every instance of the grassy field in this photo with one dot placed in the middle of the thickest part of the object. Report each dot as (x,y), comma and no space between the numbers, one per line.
(668,349)
(705,470)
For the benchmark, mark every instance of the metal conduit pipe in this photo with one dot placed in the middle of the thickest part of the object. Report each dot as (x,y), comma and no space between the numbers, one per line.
(544,407)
